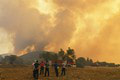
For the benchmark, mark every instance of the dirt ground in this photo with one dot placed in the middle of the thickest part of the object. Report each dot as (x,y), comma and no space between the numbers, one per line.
(89,73)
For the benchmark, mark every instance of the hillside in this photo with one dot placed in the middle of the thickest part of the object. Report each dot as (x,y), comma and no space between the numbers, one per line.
(37,55)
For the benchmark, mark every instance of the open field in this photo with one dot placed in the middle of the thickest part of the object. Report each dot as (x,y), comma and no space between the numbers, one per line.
(25,73)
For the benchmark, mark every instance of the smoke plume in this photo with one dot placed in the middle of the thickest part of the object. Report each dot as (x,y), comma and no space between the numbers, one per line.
(91,27)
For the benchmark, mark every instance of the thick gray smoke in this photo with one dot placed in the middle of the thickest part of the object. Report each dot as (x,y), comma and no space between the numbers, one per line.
(26,23)
(91,27)
(30,27)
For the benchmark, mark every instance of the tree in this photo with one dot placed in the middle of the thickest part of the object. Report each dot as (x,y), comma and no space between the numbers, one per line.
(12,59)
(61,54)
(1,58)
(89,62)
(70,51)
(81,62)
(71,54)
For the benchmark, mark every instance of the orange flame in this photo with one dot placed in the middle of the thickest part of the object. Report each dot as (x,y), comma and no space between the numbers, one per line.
(27,50)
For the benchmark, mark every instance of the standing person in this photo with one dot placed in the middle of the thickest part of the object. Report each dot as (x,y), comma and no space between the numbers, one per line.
(56,69)
(47,68)
(63,72)
(36,70)
(42,64)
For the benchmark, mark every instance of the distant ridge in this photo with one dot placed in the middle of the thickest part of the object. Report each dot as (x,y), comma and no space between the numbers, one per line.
(6,54)
(32,56)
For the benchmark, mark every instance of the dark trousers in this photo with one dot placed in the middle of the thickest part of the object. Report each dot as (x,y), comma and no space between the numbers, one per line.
(42,71)
(46,71)
(35,73)
(63,71)
(56,72)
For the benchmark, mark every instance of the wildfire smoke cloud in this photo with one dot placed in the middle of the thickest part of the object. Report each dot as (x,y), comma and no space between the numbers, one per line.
(91,27)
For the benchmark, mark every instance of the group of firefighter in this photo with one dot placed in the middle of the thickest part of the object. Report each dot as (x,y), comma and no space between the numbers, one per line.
(43,68)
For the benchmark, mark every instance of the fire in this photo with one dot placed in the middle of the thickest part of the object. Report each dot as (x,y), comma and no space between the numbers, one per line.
(91,27)
(27,50)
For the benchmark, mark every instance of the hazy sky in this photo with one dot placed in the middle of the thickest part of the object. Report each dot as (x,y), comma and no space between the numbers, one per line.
(91,27)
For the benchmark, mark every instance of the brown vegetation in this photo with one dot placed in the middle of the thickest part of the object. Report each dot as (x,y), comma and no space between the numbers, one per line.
(89,73)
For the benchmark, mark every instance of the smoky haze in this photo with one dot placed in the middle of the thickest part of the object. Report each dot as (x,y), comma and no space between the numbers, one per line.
(30,27)
(26,23)
(91,27)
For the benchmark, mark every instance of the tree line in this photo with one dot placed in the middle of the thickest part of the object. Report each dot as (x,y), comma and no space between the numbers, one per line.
(68,55)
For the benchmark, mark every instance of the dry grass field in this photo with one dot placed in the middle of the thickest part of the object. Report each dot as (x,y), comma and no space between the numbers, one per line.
(90,73)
